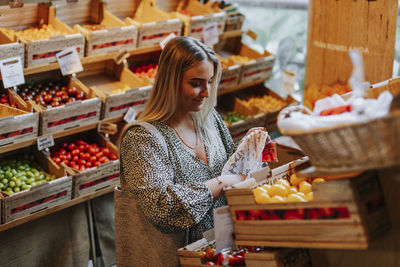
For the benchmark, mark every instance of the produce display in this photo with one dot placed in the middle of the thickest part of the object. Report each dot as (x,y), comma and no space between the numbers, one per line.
(21,173)
(296,189)
(149,70)
(50,93)
(187,13)
(234,257)
(255,105)
(4,99)
(94,27)
(234,60)
(314,93)
(38,33)
(80,155)
(232,117)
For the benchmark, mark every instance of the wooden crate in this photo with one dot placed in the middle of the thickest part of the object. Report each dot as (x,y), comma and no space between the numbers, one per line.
(229,77)
(374,35)
(345,214)
(68,116)
(41,51)
(38,197)
(117,86)
(10,48)
(203,15)
(154,24)
(239,129)
(97,178)
(189,256)
(117,36)
(234,19)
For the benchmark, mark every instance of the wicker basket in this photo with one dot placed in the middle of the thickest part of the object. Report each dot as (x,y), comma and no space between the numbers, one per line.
(354,147)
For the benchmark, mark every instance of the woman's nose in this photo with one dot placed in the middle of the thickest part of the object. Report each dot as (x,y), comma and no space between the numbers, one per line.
(205,92)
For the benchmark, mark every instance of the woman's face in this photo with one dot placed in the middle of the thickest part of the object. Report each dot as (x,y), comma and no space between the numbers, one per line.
(195,86)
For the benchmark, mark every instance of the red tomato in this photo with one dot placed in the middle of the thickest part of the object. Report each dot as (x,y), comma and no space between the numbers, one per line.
(97,163)
(88,164)
(64,145)
(57,160)
(93,159)
(103,159)
(74,166)
(82,162)
(75,152)
(86,156)
(112,156)
(62,151)
(68,156)
(81,148)
(237,260)
(80,142)
(87,146)
(93,150)
(82,168)
(105,151)
(71,146)
(99,155)
(66,162)
(75,158)
(81,155)
(63,157)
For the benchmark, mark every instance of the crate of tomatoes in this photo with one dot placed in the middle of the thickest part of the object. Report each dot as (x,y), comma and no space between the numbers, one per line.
(90,158)
(287,210)
(30,183)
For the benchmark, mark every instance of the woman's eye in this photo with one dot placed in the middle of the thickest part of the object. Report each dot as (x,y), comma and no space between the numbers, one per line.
(195,83)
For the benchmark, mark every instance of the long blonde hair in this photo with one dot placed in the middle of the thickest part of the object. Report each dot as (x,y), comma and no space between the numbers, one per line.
(179,55)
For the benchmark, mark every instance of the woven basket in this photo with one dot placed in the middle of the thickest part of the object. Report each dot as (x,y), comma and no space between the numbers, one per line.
(354,147)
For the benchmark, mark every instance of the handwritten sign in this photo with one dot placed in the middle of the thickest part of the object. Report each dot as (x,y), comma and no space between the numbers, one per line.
(69,61)
(210,34)
(12,72)
(44,142)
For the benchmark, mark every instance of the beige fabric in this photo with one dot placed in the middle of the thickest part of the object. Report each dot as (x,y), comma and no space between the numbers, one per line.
(138,242)
(59,239)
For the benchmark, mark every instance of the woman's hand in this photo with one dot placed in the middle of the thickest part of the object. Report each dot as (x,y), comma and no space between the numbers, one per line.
(217,185)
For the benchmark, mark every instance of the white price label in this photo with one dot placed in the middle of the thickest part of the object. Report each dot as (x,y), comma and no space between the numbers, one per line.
(130,115)
(44,142)
(164,42)
(12,72)
(210,34)
(288,81)
(223,228)
(69,61)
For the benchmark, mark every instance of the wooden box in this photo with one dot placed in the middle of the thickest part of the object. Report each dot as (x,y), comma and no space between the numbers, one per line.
(154,24)
(38,197)
(117,86)
(229,78)
(70,115)
(43,51)
(201,16)
(10,48)
(345,214)
(190,256)
(105,175)
(234,19)
(239,129)
(116,35)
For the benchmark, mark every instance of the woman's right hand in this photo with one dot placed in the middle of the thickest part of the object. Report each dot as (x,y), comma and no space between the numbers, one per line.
(231,179)
(217,185)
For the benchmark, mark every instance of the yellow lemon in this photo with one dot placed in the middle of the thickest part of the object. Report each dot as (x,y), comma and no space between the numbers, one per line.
(305,187)
(295,198)
(266,186)
(278,190)
(318,180)
(262,198)
(259,190)
(309,196)
(276,199)
(301,194)
(294,180)
(285,183)
(293,190)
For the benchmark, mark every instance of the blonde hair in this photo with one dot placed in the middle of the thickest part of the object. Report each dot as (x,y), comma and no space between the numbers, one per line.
(179,55)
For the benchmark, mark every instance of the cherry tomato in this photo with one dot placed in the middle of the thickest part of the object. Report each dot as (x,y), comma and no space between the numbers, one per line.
(112,156)
(103,159)
(71,146)
(57,160)
(105,151)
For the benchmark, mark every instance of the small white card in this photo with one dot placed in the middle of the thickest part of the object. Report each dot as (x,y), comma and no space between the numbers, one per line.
(12,72)
(288,81)
(223,228)
(210,34)
(164,42)
(130,115)
(44,142)
(69,61)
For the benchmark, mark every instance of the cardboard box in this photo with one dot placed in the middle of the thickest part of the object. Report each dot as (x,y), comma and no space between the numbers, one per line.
(345,214)
(10,48)
(38,197)
(116,35)
(154,24)
(43,51)
(202,16)
(117,86)
(70,115)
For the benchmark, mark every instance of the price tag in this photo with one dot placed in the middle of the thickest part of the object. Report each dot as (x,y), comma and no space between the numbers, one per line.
(164,42)
(69,61)
(44,142)
(12,72)
(288,81)
(210,34)
(130,115)
(107,128)
(223,228)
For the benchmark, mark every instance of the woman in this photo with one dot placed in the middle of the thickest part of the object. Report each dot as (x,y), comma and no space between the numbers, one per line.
(178,189)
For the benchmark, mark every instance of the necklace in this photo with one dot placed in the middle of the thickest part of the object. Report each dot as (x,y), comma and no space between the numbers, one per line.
(195,131)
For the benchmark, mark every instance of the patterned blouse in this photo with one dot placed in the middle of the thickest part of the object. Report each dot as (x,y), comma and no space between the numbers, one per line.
(169,187)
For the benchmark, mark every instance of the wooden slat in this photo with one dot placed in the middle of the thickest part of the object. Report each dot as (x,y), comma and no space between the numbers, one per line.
(310,244)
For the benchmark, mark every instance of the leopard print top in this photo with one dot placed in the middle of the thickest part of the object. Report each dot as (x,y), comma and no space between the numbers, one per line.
(169,187)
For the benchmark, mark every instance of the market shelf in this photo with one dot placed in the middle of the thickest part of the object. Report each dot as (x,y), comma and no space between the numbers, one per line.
(239,87)
(47,211)
(56,135)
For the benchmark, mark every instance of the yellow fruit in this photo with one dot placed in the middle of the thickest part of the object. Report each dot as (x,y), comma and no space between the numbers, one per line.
(318,180)
(259,190)
(305,187)
(294,180)
(301,194)
(293,190)
(262,198)
(266,187)
(309,196)
(285,183)
(278,190)
(295,198)
(276,199)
